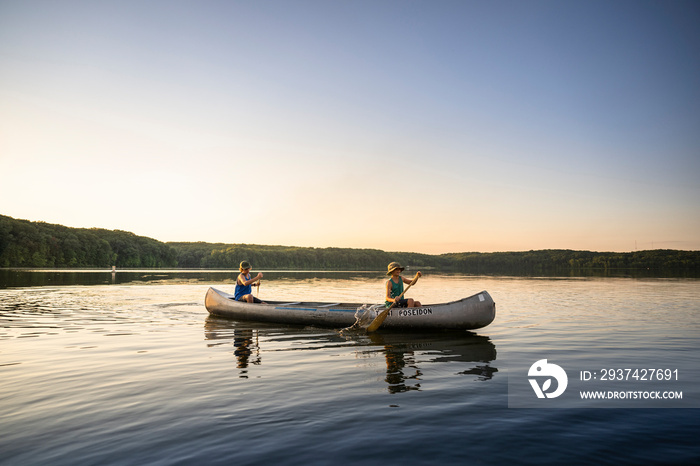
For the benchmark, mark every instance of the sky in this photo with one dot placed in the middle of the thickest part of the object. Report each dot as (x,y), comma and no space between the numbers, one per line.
(434,127)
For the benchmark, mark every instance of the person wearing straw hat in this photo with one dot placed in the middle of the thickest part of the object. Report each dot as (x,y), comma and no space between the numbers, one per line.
(394,287)
(244,283)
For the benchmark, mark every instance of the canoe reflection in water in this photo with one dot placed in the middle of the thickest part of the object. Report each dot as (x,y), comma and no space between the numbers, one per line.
(404,353)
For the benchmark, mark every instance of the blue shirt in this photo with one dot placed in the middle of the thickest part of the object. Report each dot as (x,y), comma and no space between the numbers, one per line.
(242,290)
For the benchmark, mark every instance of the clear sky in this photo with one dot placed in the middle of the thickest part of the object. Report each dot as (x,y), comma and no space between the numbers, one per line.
(427,126)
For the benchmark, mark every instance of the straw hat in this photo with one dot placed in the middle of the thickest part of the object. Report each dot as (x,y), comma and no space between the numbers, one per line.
(244,265)
(393,266)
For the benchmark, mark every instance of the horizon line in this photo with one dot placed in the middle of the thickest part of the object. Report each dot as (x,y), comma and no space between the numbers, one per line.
(376,249)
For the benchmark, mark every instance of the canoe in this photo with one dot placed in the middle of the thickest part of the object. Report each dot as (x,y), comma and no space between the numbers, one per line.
(469,313)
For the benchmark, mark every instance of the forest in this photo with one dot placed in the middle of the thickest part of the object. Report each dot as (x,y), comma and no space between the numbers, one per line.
(229,256)
(38,244)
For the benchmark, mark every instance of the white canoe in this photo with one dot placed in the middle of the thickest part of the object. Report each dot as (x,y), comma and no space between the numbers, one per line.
(474,312)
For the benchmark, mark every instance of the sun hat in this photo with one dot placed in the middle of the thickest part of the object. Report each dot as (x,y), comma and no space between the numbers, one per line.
(244,265)
(393,266)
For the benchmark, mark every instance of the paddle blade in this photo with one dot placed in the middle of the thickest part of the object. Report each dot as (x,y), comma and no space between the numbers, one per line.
(377,322)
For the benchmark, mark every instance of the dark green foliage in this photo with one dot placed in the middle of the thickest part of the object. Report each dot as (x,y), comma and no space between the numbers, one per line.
(565,262)
(229,256)
(545,262)
(38,244)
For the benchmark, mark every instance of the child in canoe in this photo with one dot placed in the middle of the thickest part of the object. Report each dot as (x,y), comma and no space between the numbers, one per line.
(244,283)
(394,287)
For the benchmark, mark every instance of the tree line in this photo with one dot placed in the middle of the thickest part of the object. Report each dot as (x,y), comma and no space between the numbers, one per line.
(229,256)
(38,244)
(562,261)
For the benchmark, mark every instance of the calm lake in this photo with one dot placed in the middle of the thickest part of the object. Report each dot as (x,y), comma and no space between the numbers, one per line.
(128,368)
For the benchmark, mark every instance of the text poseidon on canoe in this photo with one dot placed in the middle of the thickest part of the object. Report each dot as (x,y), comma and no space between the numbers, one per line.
(413,312)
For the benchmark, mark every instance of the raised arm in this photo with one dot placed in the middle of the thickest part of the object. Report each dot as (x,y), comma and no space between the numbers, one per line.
(408,282)
(251,281)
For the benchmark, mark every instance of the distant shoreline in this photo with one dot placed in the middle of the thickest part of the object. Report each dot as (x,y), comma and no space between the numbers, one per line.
(39,245)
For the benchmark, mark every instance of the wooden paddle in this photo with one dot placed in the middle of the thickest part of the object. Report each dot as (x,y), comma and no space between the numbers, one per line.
(382,315)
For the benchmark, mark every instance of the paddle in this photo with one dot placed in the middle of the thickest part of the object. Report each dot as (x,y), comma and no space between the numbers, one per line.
(382,315)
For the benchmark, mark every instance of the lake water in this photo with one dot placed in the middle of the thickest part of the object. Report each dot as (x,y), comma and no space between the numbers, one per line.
(129,368)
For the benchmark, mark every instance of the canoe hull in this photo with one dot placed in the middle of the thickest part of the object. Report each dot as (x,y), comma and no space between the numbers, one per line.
(470,313)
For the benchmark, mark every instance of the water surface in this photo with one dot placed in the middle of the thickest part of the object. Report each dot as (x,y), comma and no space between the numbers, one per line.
(131,369)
